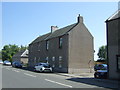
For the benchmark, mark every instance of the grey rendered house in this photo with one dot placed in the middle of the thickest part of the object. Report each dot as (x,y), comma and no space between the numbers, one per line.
(113,43)
(21,56)
(69,49)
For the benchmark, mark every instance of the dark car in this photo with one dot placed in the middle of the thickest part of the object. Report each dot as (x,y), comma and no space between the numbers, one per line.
(100,67)
(101,71)
(17,64)
(101,74)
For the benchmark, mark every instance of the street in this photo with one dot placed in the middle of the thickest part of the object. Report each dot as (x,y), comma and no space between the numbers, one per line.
(19,78)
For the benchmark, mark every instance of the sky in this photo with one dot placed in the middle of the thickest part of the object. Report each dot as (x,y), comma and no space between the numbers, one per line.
(22,22)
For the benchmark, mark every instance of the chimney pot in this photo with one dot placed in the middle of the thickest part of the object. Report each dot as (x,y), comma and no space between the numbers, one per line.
(53,28)
(80,19)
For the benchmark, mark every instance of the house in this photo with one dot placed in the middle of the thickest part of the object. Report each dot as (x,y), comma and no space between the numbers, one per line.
(69,49)
(21,56)
(113,43)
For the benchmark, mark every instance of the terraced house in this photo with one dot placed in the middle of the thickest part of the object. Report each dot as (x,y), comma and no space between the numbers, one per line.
(68,49)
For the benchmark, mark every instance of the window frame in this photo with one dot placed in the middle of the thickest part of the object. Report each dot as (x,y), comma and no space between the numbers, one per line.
(47,45)
(118,62)
(60,42)
(60,61)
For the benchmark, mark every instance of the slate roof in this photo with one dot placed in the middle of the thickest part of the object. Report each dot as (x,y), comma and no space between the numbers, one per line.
(61,31)
(40,38)
(18,54)
(114,16)
(56,33)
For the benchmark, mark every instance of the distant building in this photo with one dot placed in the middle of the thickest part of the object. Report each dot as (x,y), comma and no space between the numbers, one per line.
(69,49)
(21,56)
(113,43)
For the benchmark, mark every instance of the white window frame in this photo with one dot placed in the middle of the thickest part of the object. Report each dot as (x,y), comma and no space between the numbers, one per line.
(47,45)
(53,59)
(60,61)
(47,58)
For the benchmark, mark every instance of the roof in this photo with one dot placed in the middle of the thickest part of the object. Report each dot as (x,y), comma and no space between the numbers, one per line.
(25,53)
(116,15)
(56,33)
(61,31)
(40,38)
(22,53)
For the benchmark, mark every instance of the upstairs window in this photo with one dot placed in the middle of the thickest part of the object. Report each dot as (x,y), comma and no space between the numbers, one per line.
(38,46)
(60,42)
(47,45)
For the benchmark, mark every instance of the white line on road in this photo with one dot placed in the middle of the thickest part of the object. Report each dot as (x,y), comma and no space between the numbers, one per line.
(29,75)
(7,68)
(58,83)
(16,70)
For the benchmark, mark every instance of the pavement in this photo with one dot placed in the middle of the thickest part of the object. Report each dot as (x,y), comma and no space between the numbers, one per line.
(86,75)
(90,75)
(28,78)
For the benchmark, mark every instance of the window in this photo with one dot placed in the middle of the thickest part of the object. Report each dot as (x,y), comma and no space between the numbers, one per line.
(34,60)
(31,47)
(53,59)
(47,45)
(47,59)
(38,46)
(60,42)
(60,61)
(118,63)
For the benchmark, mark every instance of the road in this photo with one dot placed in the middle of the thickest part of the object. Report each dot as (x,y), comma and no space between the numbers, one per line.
(19,78)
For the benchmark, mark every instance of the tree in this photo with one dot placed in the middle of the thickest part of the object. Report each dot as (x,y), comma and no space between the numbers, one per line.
(0,54)
(23,47)
(102,53)
(8,51)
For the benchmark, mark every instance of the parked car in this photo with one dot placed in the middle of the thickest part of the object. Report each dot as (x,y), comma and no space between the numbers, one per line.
(101,74)
(6,62)
(43,67)
(17,64)
(101,71)
(1,62)
(100,67)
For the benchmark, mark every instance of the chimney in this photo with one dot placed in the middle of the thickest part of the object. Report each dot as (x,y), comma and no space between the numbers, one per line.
(53,28)
(80,19)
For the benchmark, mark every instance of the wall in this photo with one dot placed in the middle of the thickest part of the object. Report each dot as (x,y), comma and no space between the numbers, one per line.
(39,54)
(81,50)
(112,42)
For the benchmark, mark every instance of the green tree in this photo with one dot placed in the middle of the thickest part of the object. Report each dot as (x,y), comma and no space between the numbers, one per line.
(23,47)
(0,54)
(8,51)
(102,53)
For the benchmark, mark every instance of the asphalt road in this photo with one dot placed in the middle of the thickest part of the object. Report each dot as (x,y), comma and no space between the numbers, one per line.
(19,78)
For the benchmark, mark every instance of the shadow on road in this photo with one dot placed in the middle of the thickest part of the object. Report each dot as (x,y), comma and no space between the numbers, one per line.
(96,82)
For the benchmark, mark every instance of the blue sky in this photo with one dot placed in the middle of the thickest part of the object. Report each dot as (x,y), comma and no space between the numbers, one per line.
(22,22)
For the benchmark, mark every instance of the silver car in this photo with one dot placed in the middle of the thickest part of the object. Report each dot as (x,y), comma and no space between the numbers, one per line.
(6,62)
(42,67)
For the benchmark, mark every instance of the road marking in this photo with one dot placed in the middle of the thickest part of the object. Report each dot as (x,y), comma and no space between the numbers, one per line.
(16,70)
(58,83)
(29,75)
(7,68)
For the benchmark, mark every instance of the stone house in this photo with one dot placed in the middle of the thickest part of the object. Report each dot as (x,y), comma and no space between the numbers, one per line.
(21,56)
(69,49)
(113,44)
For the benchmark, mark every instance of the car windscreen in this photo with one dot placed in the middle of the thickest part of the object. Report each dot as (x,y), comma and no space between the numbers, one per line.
(46,65)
